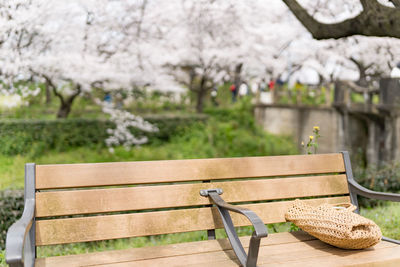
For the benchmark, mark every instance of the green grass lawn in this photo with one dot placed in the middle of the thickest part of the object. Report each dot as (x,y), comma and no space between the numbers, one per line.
(387,217)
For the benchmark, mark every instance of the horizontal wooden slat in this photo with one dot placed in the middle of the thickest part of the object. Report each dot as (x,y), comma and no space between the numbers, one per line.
(165,196)
(152,223)
(281,249)
(316,253)
(135,254)
(146,172)
(300,254)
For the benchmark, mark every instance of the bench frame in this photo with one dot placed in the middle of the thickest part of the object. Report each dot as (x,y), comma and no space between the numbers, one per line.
(20,241)
(259,227)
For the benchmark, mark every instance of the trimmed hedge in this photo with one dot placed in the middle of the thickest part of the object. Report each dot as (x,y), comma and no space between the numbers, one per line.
(36,136)
(12,205)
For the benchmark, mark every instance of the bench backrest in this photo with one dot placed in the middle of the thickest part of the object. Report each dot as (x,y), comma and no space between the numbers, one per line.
(88,202)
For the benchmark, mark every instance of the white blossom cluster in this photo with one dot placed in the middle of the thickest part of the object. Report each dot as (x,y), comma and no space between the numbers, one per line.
(21,90)
(124,121)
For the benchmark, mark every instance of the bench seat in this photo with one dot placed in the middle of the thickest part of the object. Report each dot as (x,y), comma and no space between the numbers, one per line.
(281,249)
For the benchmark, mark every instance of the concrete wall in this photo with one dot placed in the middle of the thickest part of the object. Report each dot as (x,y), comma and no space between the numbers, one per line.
(370,132)
(338,132)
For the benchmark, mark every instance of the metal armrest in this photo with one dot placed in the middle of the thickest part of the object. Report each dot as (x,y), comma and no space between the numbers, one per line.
(260,230)
(20,241)
(356,189)
(362,191)
(17,233)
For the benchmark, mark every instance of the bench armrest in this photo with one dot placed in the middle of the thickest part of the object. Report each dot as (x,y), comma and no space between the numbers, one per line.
(17,235)
(362,191)
(260,230)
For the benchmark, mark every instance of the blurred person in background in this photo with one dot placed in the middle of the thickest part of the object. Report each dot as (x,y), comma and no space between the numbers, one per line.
(214,93)
(233,90)
(395,71)
(243,90)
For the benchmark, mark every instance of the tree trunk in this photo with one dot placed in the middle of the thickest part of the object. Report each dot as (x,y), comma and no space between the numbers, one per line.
(66,104)
(200,101)
(200,95)
(64,110)
(237,79)
(48,95)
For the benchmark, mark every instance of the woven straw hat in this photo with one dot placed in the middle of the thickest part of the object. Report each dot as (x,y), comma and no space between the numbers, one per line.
(335,225)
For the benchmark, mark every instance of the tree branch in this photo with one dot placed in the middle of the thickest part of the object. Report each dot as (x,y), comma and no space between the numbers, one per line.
(374,20)
(75,94)
(54,88)
(396,3)
(359,89)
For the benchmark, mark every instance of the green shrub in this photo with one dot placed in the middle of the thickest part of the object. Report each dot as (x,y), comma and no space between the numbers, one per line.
(12,205)
(36,136)
(383,178)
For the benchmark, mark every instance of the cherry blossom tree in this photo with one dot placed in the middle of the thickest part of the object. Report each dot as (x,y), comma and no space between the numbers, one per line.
(69,48)
(75,45)
(49,48)
(198,37)
(209,42)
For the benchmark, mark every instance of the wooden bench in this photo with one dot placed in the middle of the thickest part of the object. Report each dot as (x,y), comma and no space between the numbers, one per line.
(86,202)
